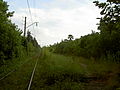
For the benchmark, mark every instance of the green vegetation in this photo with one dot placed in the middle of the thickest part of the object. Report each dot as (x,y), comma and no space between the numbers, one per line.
(15,49)
(14,64)
(19,79)
(91,62)
(59,72)
(103,45)
(12,44)
(102,49)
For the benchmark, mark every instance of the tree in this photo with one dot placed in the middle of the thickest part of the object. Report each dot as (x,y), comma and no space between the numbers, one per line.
(114,1)
(12,44)
(29,37)
(105,44)
(109,27)
(10,38)
(111,16)
(70,37)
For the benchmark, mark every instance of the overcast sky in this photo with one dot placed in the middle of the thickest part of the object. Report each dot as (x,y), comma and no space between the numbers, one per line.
(57,18)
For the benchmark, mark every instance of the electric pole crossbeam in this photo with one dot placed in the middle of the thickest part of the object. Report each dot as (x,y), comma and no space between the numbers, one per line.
(25,27)
(32,24)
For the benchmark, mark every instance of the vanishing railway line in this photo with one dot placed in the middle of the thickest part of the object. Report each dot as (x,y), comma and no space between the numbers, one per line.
(21,78)
(48,71)
(33,72)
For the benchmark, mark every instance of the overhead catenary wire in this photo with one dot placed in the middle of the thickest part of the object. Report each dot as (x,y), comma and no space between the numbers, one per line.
(34,6)
(31,14)
(35,11)
(28,4)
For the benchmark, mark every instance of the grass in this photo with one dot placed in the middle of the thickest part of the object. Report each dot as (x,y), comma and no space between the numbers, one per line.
(10,65)
(19,78)
(58,72)
(106,73)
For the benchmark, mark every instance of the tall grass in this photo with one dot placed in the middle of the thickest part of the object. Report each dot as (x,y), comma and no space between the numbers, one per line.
(59,72)
(19,79)
(14,64)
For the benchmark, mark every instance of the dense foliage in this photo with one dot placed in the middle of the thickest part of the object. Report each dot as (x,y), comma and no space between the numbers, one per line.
(12,44)
(102,45)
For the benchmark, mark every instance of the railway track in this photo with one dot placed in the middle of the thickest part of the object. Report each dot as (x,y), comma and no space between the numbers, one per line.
(33,72)
(20,78)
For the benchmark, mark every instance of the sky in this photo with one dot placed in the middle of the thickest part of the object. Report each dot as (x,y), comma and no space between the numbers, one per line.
(56,18)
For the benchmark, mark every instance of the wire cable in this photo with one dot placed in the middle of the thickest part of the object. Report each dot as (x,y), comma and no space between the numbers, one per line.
(28,4)
(35,14)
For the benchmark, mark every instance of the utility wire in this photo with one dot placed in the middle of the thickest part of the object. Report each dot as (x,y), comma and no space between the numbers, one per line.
(28,4)
(35,15)
(29,10)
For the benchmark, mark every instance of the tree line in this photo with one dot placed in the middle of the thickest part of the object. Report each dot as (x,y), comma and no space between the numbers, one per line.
(104,44)
(12,43)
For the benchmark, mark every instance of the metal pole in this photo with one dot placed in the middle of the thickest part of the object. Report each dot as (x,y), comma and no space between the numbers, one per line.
(25,27)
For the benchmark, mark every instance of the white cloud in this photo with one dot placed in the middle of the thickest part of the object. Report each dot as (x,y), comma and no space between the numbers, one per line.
(65,4)
(56,23)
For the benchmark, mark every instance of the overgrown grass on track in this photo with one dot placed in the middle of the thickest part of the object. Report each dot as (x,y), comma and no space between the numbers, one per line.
(58,72)
(11,65)
(19,79)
